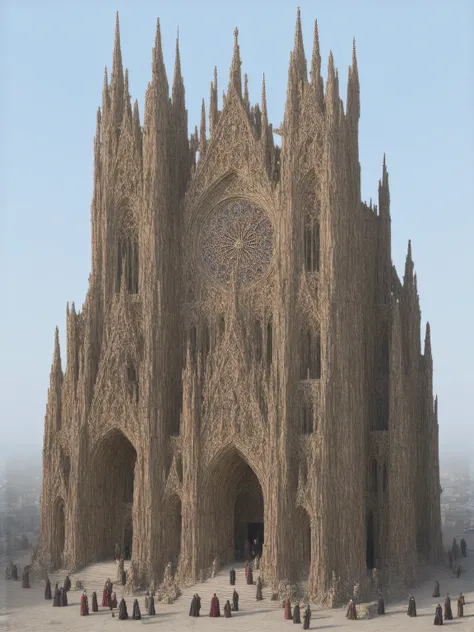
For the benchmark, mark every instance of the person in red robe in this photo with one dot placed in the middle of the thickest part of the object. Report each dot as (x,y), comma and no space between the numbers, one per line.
(215,607)
(105,595)
(288,613)
(249,576)
(84,605)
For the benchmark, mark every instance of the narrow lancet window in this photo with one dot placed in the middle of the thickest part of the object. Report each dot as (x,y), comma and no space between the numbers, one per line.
(127,264)
(192,342)
(307,415)
(311,246)
(374,476)
(269,343)
(206,342)
(311,356)
(258,341)
(385,478)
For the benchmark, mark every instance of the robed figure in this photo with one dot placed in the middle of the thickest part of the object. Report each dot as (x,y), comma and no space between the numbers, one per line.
(288,614)
(151,605)
(249,575)
(84,605)
(47,590)
(463,547)
(147,599)
(296,614)
(232,577)
(113,600)
(193,610)
(67,584)
(105,595)
(227,610)
(436,589)
(461,604)
(438,620)
(25,580)
(198,604)
(448,613)
(57,597)
(95,605)
(215,610)
(381,605)
(411,612)
(351,612)
(235,601)
(15,572)
(259,595)
(136,614)
(63,597)
(123,614)
(307,618)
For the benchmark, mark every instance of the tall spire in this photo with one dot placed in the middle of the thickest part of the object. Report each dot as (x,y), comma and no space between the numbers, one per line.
(332,93)
(160,80)
(213,106)
(117,78)
(427,350)
(202,131)
(316,79)
(409,267)
(178,83)
(299,57)
(56,366)
(127,104)
(353,88)
(246,92)
(384,192)
(235,69)
(105,95)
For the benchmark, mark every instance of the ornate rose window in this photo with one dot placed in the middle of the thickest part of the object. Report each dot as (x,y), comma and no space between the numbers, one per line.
(237,242)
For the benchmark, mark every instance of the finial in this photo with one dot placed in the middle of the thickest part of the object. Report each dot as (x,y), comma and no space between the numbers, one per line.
(202,134)
(235,70)
(246,90)
(298,50)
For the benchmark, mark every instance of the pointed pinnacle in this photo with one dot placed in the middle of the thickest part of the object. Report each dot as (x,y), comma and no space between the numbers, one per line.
(235,69)
(246,90)
(202,132)
(298,50)
(117,59)
(177,64)
(316,57)
(158,64)
(57,351)
(427,351)
(264,101)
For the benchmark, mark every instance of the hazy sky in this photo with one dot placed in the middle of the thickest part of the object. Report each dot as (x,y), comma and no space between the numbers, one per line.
(417,105)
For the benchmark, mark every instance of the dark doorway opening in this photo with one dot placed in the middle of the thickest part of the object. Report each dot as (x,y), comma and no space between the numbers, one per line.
(370,547)
(255,537)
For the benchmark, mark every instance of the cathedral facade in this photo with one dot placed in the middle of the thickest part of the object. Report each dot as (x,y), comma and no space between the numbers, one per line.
(247,363)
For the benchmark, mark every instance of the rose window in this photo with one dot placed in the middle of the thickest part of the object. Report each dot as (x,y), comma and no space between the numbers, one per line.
(237,242)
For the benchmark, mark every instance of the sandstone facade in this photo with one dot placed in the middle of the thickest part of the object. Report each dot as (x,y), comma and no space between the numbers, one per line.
(246,354)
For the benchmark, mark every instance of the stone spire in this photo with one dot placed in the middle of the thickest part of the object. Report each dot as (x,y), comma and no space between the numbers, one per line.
(202,131)
(159,78)
(56,368)
(427,350)
(408,279)
(266,134)
(105,95)
(332,90)
(299,57)
(246,92)
(127,104)
(213,106)
(384,192)
(235,69)
(177,93)
(316,79)
(353,88)
(117,79)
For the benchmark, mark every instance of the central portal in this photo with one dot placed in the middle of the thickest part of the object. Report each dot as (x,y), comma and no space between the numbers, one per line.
(248,516)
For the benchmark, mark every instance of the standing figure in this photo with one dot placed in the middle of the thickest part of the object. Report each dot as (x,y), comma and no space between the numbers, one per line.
(461,604)
(232,577)
(296,614)
(151,605)
(95,605)
(57,597)
(436,589)
(123,614)
(288,615)
(84,605)
(457,570)
(307,618)
(136,615)
(67,583)
(463,547)
(127,552)
(351,612)
(113,600)
(123,577)
(147,599)
(411,612)
(117,552)
(15,572)
(249,576)
(215,610)
(227,610)
(193,610)
(438,620)
(198,604)
(259,595)
(448,613)
(381,605)
(47,589)
(63,597)
(235,601)
(25,582)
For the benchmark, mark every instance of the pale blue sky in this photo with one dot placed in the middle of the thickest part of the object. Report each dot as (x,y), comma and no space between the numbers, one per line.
(417,94)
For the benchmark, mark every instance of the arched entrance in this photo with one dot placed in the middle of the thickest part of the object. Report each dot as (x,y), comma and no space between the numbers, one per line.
(302,536)
(233,517)
(370,547)
(59,533)
(112,487)
(173,522)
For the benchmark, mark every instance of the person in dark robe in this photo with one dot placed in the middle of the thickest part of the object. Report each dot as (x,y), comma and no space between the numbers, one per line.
(307,618)
(381,605)
(151,605)
(113,600)
(124,577)
(15,572)
(436,589)
(215,610)
(235,601)
(84,605)
(227,610)
(259,595)
(193,610)
(288,615)
(461,604)
(450,558)
(232,577)
(250,576)
(457,570)
(463,547)
(67,583)
(438,620)
(57,597)
(296,614)
(448,613)
(95,604)
(123,614)
(25,581)
(411,612)
(63,597)
(351,612)
(47,589)
(198,604)
(127,552)
(136,614)
(147,599)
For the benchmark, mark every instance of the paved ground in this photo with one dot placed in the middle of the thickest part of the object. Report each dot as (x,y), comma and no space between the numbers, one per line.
(27,611)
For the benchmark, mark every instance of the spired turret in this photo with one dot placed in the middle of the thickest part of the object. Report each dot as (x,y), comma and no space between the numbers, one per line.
(245,346)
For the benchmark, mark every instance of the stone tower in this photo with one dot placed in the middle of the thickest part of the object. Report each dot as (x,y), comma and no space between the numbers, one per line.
(246,365)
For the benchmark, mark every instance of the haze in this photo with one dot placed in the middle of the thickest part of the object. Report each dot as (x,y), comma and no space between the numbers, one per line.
(417,94)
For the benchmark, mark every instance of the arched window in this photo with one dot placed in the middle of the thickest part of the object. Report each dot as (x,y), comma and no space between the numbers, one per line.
(206,340)
(311,356)
(258,341)
(132,381)
(127,264)
(307,416)
(311,247)
(385,478)
(269,342)
(374,476)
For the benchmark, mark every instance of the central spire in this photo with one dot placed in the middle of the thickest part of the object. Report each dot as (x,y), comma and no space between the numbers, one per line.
(235,69)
